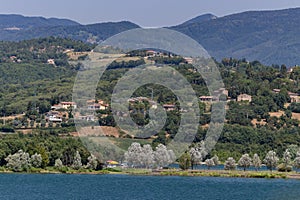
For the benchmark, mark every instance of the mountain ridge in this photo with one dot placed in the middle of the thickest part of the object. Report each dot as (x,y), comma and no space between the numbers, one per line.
(201,18)
(270,36)
(25,22)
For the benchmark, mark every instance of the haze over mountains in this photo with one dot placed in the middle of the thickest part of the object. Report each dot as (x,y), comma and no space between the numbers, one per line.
(272,37)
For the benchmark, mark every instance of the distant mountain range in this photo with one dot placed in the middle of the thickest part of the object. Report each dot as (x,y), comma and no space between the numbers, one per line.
(17,27)
(19,21)
(272,37)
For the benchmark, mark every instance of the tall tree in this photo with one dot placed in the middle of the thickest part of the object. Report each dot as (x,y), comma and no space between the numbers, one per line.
(163,157)
(271,160)
(230,164)
(286,159)
(209,163)
(92,162)
(36,160)
(216,160)
(297,161)
(256,162)
(77,161)
(196,156)
(245,161)
(185,161)
(147,157)
(133,155)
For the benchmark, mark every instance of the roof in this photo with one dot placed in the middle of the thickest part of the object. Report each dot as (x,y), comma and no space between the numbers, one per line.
(68,103)
(206,97)
(244,95)
(169,106)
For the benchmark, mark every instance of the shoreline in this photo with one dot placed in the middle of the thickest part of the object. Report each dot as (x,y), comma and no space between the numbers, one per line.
(173,172)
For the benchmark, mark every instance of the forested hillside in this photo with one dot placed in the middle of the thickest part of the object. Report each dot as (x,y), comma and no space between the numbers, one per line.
(36,71)
(37,74)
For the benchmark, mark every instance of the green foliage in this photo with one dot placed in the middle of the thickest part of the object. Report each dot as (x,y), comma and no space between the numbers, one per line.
(185,161)
(230,164)
(126,65)
(176,60)
(271,160)
(18,162)
(48,146)
(77,161)
(294,107)
(7,129)
(36,160)
(245,161)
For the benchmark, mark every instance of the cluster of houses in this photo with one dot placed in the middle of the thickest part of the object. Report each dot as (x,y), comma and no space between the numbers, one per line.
(293,96)
(152,53)
(92,105)
(215,97)
(223,91)
(59,111)
(167,107)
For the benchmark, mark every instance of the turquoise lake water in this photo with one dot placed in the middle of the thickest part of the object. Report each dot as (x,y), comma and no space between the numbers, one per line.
(61,186)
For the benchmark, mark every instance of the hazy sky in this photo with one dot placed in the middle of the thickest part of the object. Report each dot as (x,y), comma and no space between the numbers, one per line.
(151,13)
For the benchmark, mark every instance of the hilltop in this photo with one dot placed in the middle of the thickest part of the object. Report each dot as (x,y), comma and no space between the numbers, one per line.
(200,19)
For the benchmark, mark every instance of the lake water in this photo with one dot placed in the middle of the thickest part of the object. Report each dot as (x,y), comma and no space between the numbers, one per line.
(61,186)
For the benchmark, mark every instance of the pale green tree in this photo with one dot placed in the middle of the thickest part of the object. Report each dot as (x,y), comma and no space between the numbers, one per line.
(58,163)
(297,161)
(293,149)
(209,163)
(197,153)
(196,156)
(19,161)
(133,155)
(92,162)
(36,160)
(286,158)
(230,164)
(271,160)
(256,162)
(245,161)
(147,156)
(163,157)
(216,160)
(77,161)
